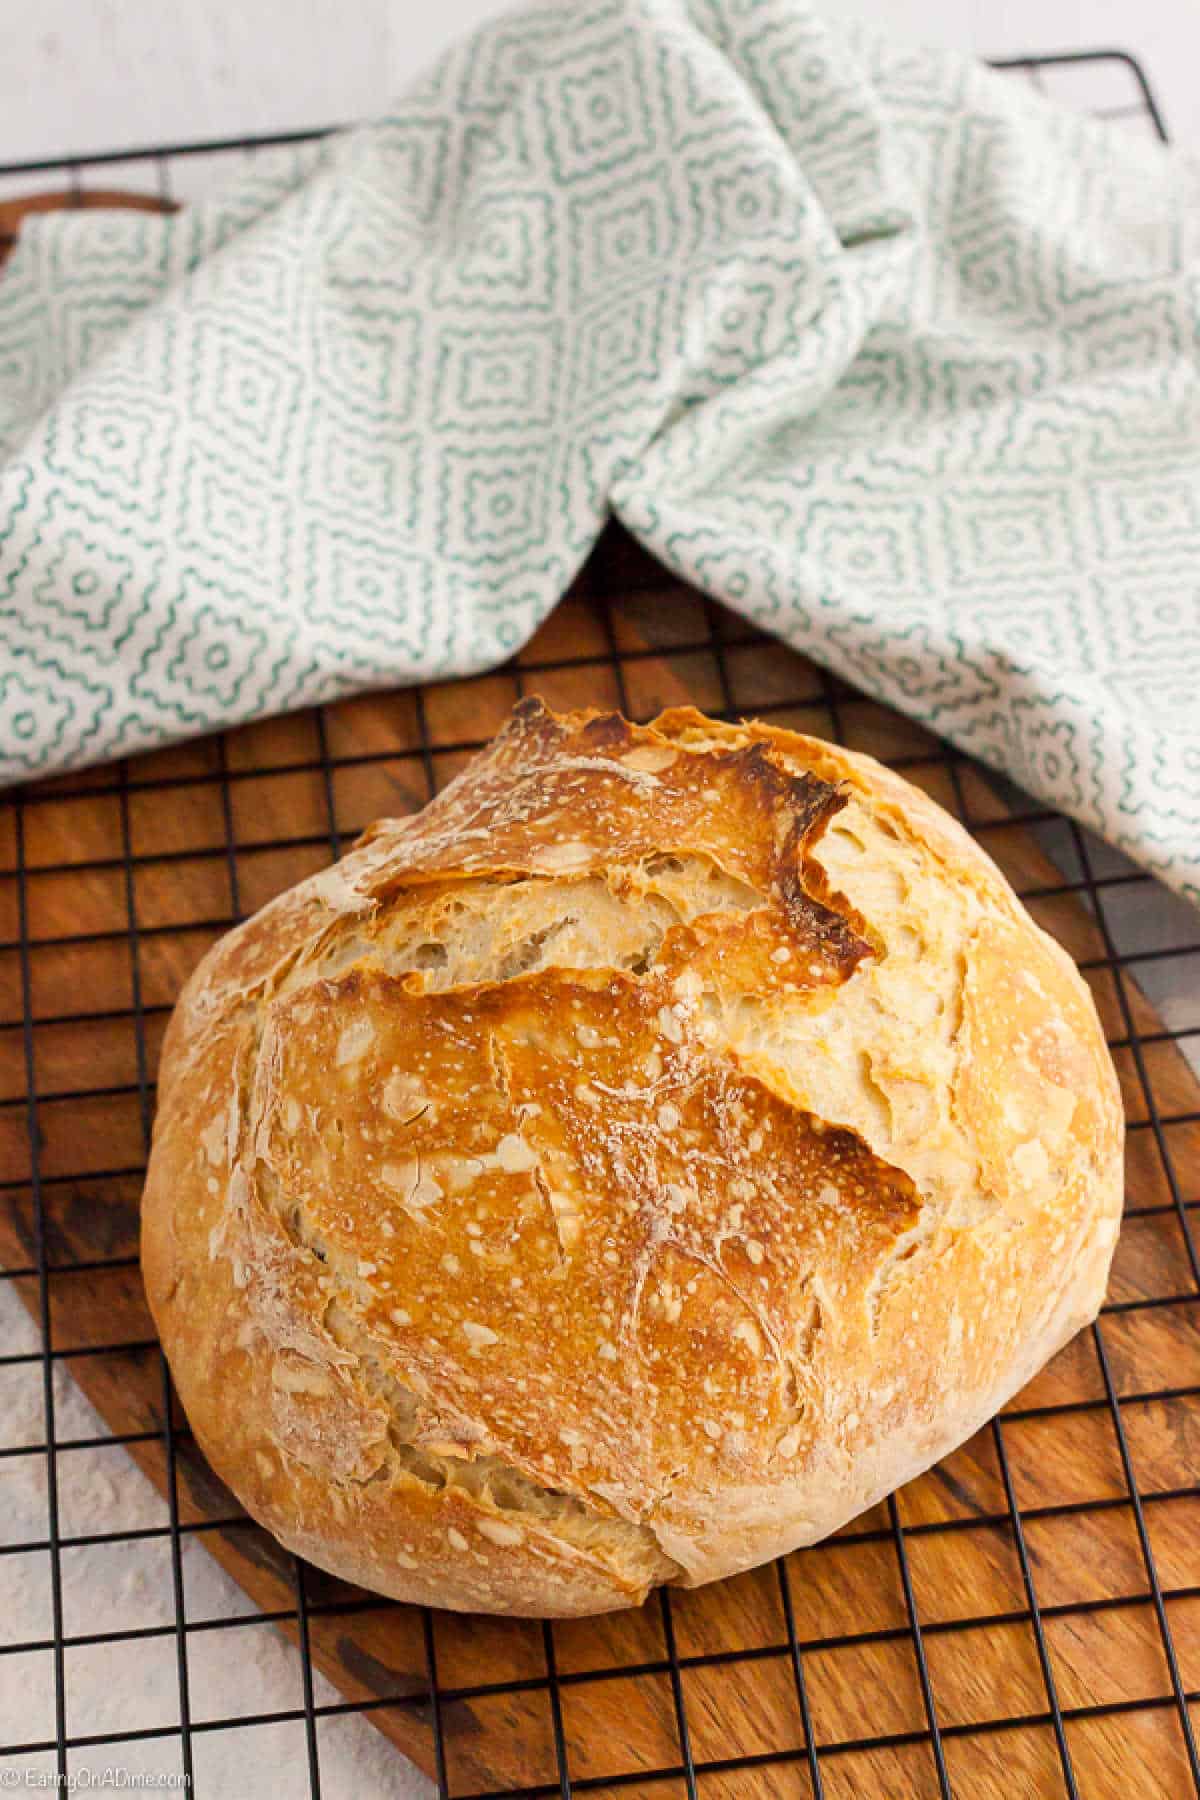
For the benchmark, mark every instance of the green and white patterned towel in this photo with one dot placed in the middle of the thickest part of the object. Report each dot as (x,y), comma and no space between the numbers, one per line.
(882,350)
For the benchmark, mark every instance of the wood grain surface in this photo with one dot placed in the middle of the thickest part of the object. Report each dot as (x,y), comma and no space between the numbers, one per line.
(114,882)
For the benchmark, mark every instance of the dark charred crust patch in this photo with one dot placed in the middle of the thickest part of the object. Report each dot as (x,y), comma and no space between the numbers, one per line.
(756,764)
(609,731)
(808,888)
(832,934)
(810,903)
(531,707)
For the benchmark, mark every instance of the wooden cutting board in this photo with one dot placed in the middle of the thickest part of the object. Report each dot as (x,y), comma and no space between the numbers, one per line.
(114,884)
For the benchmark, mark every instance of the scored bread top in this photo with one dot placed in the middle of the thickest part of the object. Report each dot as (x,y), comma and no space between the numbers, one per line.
(550,1184)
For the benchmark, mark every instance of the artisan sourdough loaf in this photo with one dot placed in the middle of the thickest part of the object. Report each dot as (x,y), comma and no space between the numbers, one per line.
(625,1171)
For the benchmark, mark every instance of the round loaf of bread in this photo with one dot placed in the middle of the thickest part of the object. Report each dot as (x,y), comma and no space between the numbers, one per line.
(625,1171)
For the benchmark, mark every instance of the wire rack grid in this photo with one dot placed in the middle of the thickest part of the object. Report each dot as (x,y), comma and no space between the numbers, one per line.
(97,866)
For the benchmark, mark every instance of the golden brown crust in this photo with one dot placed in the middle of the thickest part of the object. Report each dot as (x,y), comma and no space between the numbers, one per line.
(626,1170)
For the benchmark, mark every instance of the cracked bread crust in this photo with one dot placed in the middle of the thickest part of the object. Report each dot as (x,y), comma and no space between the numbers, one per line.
(625,1171)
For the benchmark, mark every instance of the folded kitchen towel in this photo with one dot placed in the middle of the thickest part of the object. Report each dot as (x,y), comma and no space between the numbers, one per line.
(879,348)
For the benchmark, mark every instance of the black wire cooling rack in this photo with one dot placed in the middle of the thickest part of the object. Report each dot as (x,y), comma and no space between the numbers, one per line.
(597,658)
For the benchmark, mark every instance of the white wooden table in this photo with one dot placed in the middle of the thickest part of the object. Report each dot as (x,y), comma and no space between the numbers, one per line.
(84,75)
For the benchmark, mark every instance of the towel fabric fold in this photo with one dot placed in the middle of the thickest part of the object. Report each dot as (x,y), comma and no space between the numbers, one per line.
(879,348)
